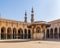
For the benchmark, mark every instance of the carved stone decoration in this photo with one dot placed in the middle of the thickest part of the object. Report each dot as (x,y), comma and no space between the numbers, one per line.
(38,30)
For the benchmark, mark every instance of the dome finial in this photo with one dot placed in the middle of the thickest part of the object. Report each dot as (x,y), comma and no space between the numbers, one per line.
(32,10)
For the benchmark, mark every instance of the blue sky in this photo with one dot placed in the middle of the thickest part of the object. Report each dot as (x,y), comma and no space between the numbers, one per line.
(46,10)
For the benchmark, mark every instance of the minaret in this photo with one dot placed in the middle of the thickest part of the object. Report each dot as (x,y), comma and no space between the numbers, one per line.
(25,18)
(32,16)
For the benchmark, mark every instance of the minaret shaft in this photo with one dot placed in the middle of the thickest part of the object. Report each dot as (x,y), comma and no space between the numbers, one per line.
(25,17)
(32,16)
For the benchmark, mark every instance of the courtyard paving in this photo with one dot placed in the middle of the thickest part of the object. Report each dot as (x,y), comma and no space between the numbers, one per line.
(31,44)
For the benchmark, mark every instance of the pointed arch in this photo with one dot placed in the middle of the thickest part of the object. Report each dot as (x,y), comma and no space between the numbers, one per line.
(59,32)
(3,33)
(9,33)
(47,33)
(51,33)
(38,29)
(20,33)
(29,34)
(14,33)
(25,33)
(55,33)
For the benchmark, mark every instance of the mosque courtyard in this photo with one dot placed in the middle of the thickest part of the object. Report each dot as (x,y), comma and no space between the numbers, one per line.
(31,44)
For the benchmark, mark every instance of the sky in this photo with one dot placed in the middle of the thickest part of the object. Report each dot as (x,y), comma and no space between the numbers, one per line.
(44,10)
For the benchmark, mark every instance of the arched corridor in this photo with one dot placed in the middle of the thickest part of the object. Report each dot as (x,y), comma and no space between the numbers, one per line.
(53,33)
(8,33)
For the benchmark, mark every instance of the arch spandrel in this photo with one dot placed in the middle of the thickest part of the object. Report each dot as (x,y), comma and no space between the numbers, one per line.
(3,26)
(15,25)
(20,27)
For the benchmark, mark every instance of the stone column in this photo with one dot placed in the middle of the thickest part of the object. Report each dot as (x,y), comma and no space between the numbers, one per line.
(16,33)
(32,35)
(11,33)
(6,33)
(27,33)
(58,32)
(0,33)
(49,33)
(45,33)
(53,33)
(23,34)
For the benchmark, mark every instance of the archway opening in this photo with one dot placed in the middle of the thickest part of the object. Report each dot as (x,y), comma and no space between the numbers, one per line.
(59,32)
(9,33)
(25,34)
(29,34)
(47,33)
(51,33)
(3,33)
(20,34)
(39,33)
(14,33)
(55,33)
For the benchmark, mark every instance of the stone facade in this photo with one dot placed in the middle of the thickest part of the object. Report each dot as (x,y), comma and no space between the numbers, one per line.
(10,29)
(53,32)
